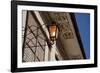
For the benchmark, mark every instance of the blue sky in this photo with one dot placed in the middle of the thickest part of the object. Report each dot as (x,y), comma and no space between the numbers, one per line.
(83,22)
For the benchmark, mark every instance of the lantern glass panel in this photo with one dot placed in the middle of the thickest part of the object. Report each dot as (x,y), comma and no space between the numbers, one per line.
(52,30)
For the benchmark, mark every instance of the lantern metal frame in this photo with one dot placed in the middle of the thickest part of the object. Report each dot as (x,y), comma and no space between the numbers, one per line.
(53,38)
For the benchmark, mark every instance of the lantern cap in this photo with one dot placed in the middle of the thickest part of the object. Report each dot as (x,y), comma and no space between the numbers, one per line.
(53,22)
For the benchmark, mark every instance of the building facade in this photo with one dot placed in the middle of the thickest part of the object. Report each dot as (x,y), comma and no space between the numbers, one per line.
(36,45)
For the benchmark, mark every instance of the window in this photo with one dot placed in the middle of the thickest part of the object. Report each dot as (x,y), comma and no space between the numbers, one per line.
(34,41)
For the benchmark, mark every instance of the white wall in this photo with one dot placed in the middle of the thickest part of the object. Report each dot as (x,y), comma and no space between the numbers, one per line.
(5,27)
